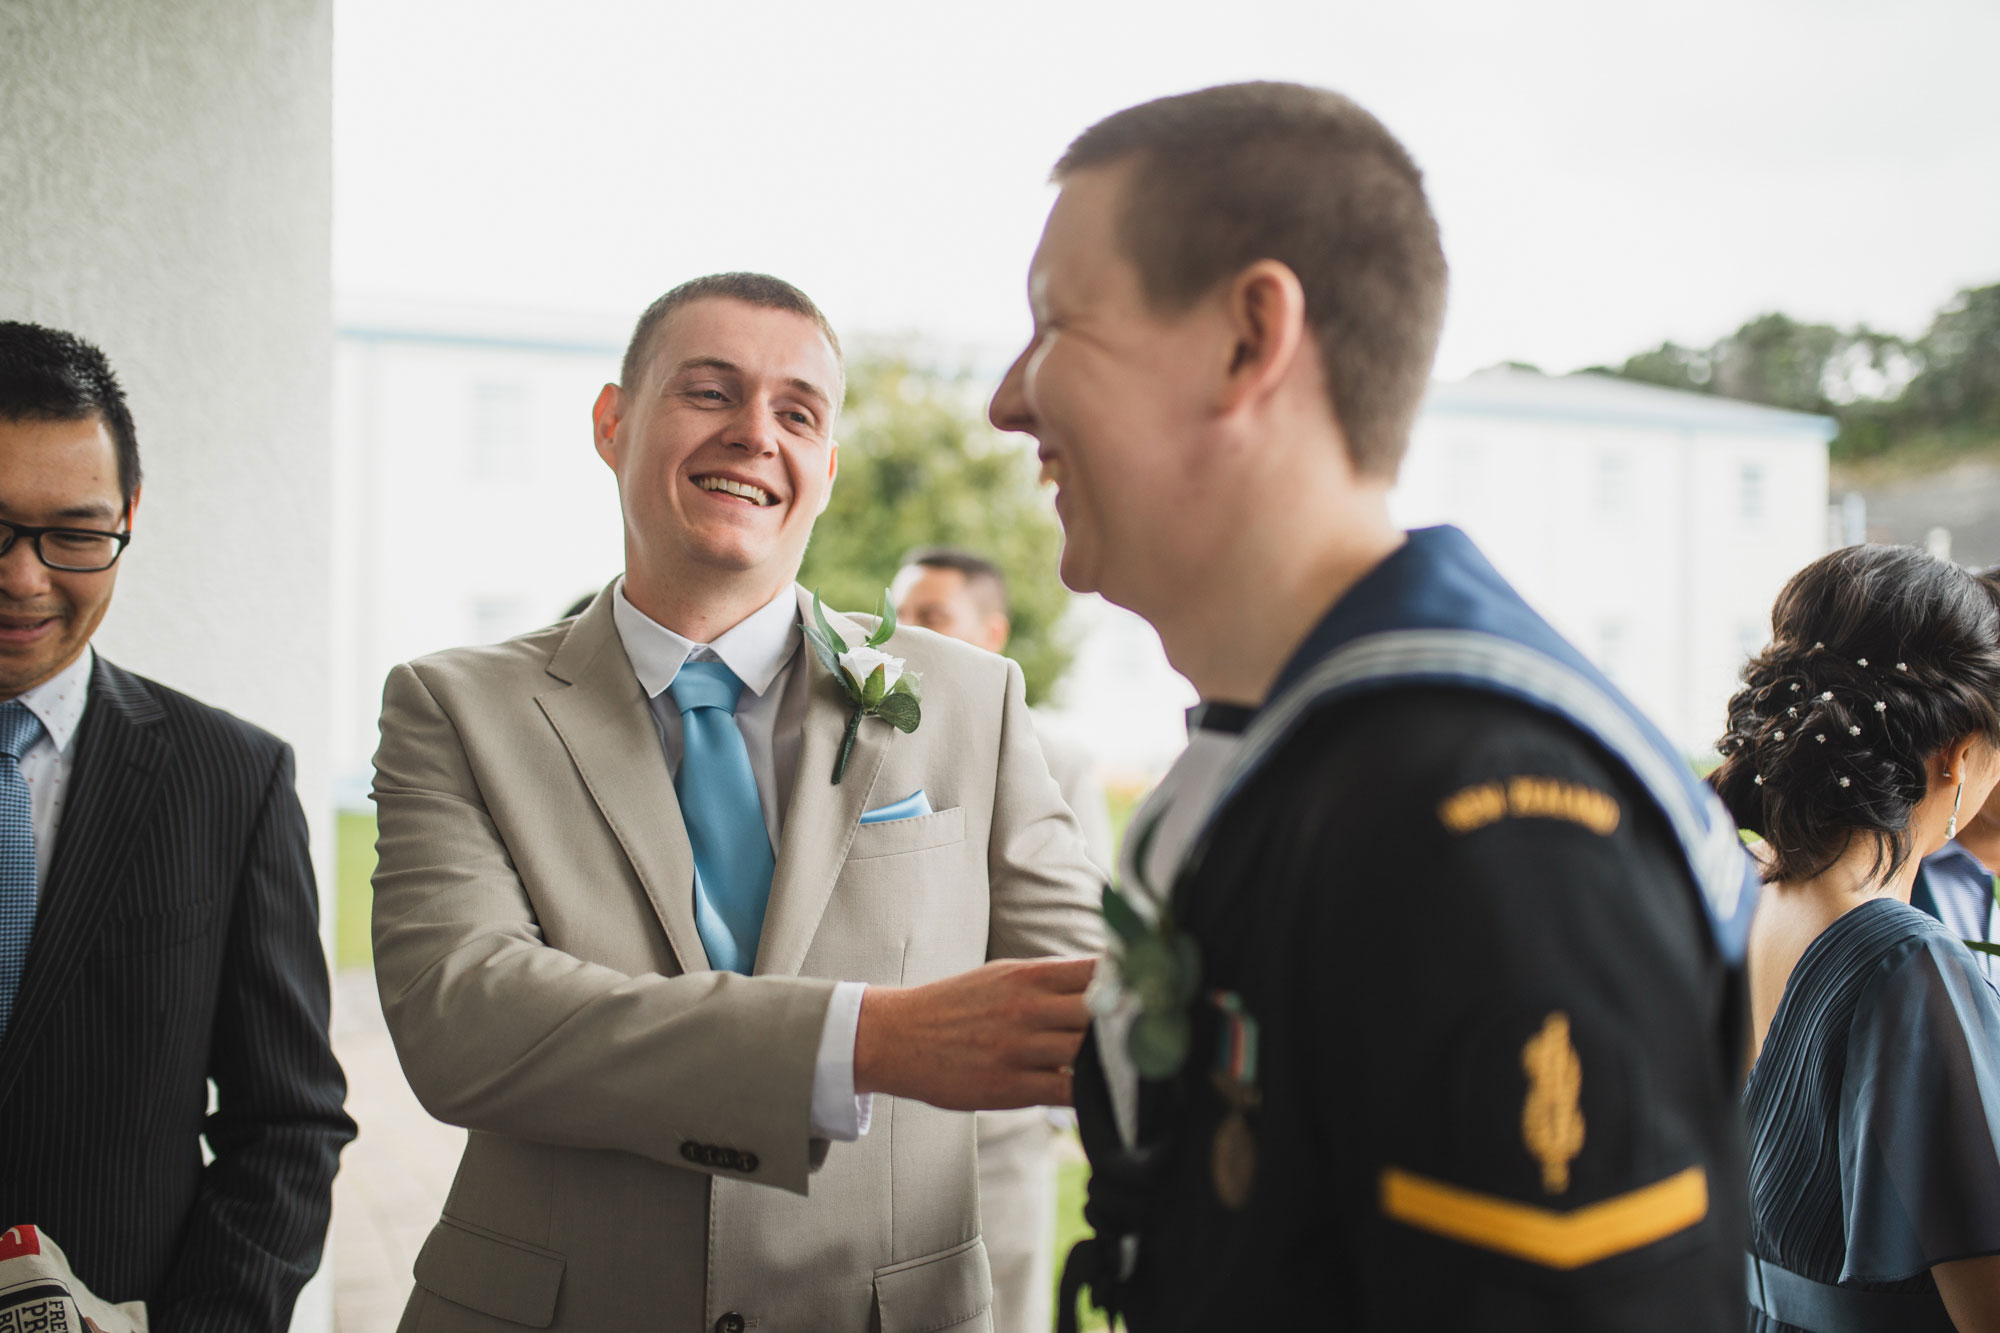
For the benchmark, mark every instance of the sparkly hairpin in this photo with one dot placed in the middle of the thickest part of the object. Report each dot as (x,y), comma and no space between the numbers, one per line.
(1795,687)
(1853,731)
(1826,696)
(1820,736)
(1777,735)
(1861,661)
(1817,645)
(1845,783)
(1791,712)
(1902,666)
(1757,778)
(1881,707)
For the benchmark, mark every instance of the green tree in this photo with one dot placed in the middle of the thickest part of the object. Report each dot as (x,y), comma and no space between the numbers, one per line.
(919,466)
(1957,389)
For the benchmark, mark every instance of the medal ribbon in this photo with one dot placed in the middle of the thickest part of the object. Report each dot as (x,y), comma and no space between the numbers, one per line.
(1236,1058)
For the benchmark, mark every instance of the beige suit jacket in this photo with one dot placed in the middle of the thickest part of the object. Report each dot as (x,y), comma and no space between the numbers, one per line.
(640,1152)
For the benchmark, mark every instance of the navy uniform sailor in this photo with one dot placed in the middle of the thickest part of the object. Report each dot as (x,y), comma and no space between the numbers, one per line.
(1426,1010)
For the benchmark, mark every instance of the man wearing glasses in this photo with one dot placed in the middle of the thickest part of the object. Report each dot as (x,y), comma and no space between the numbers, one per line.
(158,916)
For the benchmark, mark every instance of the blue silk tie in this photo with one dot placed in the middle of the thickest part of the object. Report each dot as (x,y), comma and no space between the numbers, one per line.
(725,822)
(19,730)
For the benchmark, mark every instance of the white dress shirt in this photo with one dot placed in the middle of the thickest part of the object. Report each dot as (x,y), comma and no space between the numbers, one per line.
(763,650)
(46,767)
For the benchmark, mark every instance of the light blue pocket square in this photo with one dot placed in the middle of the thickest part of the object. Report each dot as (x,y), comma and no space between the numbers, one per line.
(908,808)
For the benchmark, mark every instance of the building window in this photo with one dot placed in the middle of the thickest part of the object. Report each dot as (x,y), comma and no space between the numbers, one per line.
(1614,481)
(1750,492)
(497,428)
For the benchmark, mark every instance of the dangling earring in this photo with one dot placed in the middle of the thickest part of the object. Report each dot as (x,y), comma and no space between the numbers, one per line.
(1951,829)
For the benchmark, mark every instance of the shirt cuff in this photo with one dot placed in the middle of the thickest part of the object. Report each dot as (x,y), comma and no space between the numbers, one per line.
(837,1113)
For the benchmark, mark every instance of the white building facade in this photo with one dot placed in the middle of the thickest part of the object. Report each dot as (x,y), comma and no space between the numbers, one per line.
(1652,527)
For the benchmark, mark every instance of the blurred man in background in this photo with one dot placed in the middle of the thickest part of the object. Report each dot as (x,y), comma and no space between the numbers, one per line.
(1955,883)
(964,596)
(159,924)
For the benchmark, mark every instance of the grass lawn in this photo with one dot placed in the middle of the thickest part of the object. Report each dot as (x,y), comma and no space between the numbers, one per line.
(353,863)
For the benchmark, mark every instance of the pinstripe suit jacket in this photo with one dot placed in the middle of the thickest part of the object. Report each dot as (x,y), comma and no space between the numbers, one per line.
(176,942)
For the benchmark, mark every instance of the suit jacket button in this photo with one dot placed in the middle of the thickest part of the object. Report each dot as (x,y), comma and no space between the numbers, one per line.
(746,1162)
(729,1323)
(691,1150)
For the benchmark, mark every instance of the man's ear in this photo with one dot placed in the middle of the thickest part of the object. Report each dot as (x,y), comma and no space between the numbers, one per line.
(605,414)
(132,506)
(832,475)
(1266,310)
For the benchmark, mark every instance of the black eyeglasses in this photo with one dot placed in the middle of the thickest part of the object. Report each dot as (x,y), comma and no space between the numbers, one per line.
(74,550)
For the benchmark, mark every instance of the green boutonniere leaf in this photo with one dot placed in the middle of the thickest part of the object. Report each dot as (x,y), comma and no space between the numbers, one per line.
(888,625)
(1159,1043)
(900,710)
(875,687)
(1983,947)
(1125,923)
(826,629)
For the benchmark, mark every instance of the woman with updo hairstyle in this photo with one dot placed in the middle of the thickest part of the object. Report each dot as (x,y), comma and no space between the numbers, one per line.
(1863,733)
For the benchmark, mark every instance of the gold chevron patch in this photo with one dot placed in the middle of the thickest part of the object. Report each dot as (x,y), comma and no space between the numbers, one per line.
(1542,1236)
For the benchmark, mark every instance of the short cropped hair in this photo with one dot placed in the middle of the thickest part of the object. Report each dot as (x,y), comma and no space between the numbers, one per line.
(983,579)
(757,289)
(1227,176)
(49,375)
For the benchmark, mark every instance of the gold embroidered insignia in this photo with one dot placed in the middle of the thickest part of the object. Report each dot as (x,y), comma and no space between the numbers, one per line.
(1475,807)
(1552,1115)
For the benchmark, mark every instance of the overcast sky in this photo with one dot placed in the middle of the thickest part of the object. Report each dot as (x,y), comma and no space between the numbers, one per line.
(1607,174)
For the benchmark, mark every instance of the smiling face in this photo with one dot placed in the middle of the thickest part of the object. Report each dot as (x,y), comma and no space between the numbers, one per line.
(724,450)
(53,474)
(1112,391)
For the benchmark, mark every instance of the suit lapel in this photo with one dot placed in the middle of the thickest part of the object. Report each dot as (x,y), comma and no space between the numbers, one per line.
(820,818)
(602,717)
(121,757)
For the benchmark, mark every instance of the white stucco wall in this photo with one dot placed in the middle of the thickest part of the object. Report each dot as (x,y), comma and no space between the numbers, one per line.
(165,191)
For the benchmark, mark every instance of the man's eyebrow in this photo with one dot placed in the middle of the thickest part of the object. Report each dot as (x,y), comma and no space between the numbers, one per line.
(813,390)
(708,363)
(73,513)
(718,363)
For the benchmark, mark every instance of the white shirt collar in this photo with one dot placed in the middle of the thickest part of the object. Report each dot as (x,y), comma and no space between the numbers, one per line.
(756,648)
(58,701)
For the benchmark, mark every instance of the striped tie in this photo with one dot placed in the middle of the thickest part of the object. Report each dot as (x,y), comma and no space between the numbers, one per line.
(19,730)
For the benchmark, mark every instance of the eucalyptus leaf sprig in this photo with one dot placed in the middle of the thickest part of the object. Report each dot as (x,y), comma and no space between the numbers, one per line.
(876,683)
(1158,967)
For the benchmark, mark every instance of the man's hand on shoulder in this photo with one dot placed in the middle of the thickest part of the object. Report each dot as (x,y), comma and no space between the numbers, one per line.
(997,1037)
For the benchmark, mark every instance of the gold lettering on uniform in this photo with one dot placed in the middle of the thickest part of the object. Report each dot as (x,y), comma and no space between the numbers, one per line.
(1474,808)
(1552,1116)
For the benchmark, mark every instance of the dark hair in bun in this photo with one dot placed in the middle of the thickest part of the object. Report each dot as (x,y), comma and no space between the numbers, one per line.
(1880,656)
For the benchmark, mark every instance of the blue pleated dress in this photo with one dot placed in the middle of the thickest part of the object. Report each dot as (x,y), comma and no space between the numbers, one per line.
(1874,1115)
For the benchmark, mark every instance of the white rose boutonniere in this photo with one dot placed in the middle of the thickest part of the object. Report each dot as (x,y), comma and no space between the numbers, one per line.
(877,684)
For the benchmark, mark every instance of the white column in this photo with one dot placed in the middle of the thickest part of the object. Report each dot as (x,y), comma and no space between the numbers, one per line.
(165,191)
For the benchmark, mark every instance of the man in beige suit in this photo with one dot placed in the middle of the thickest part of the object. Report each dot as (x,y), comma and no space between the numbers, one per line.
(670,1082)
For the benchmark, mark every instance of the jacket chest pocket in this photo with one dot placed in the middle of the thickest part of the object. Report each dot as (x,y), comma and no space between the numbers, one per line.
(127,934)
(901,837)
(951,1290)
